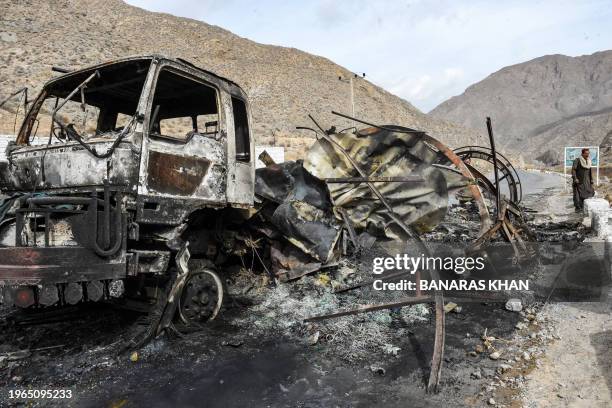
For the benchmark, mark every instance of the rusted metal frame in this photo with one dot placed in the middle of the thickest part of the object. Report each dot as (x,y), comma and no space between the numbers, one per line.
(28,123)
(503,167)
(484,153)
(499,226)
(510,237)
(407,179)
(438,352)
(484,238)
(481,177)
(495,170)
(507,228)
(439,338)
(510,232)
(474,189)
(417,279)
(516,234)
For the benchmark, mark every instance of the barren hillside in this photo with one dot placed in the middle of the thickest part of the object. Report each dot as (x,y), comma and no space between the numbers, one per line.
(284,84)
(541,105)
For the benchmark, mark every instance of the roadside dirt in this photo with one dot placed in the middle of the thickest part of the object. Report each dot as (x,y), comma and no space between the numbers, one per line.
(576,369)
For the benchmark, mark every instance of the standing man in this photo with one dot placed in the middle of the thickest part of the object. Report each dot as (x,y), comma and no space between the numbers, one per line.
(582,178)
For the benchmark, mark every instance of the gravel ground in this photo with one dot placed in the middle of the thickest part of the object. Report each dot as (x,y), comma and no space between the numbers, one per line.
(576,368)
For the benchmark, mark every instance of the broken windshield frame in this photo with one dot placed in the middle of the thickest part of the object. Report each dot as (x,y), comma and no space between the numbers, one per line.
(84,106)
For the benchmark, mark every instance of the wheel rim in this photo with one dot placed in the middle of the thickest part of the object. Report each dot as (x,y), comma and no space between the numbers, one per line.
(202,297)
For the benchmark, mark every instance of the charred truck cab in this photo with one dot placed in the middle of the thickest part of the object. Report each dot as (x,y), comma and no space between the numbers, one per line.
(142,159)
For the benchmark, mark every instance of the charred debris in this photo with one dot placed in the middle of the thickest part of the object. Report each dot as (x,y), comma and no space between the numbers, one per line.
(144,194)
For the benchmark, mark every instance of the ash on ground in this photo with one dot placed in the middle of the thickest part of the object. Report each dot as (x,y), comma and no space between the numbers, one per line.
(283,308)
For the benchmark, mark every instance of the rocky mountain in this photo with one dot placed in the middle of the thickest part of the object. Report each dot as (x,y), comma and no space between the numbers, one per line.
(284,84)
(542,105)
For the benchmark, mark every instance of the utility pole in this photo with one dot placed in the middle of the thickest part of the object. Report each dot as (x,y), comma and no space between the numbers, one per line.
(351,83)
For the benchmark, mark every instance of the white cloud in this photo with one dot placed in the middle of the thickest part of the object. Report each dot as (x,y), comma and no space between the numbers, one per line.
(427,87)
(424,51)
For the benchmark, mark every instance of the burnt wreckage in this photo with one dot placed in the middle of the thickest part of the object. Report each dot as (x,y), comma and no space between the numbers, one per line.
(146,187)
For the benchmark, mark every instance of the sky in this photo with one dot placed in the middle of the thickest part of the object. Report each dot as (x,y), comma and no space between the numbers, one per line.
(422,51)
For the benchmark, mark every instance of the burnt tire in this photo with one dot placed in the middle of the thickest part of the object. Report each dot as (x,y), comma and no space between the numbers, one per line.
(201,298)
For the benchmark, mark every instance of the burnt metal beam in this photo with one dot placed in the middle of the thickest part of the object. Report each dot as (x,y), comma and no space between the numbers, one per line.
(372,308)
(378,126)
(495,170)
(50,265)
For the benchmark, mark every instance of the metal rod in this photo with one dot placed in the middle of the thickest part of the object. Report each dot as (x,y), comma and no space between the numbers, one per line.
(24,89)
(317,124)
(378,126)
(372,308)
(74,91)
(495,171)
(349,227)
(308,128)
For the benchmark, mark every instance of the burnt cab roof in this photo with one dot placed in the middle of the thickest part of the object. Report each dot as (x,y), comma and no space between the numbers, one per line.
(138,64)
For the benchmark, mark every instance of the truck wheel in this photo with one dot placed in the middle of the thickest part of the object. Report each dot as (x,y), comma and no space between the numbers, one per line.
(202,297)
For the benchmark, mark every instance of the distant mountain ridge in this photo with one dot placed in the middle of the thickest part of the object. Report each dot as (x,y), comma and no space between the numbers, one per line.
(283,84)
(542,105)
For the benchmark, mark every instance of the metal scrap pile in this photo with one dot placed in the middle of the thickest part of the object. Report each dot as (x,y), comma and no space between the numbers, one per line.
(379,183)
(308,203)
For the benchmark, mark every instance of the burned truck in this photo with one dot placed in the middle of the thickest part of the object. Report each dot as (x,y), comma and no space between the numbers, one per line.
(133,182)
(137,153)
